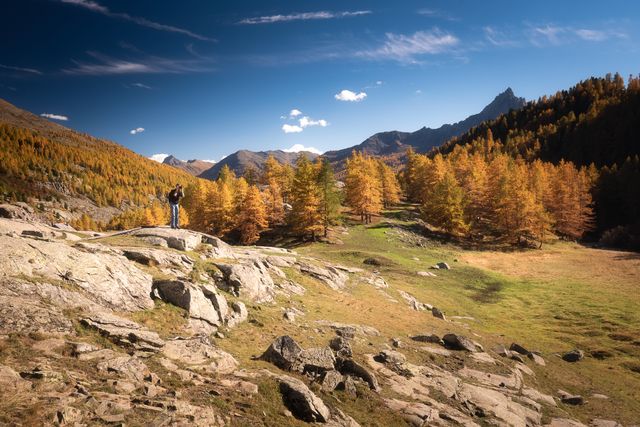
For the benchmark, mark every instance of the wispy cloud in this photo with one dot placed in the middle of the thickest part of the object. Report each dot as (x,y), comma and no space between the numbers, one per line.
(295,113)
(347,95)
(98,8)
(435,13)
(136,131)
(286,128)
(159,157)
(297,148)
(306,16)
(407,48)
(551,34)
(140,85)
(20,69)
(106,65)
(55,117)
(498,38)
(591,35)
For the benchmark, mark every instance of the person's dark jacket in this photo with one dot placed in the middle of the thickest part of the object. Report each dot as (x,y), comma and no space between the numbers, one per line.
(174,196)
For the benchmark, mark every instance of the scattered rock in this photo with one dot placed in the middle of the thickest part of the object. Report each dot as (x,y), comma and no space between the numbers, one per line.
(441,266)
(249,279)
(391,357)
(200,354)
(573,356)
(125,366)
(372,261)
(598,422)
(11,381)
(426,274)
(202,313)
(314,361)
(110,280)
(283,352)
(124,332)
(182,240)
(350,367)
(437,313)
(519,349)
(341,346)
(397,343)
(537,359)
(350,387)
(239,314)
(433,338)
(570,399)
(301,401)
(333,277)
(413,302)
(459,342)
(331,380)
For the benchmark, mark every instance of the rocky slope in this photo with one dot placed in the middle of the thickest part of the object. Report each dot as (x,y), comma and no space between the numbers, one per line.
(154,326)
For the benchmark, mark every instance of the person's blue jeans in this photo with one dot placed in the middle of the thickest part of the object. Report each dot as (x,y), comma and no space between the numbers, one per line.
(175,215)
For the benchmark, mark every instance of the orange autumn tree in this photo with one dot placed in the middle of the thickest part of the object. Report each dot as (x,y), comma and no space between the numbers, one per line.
(305,218)
(252,216)
(363,187)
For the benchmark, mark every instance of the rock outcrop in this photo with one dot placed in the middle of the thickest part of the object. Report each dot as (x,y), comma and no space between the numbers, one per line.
(108,279)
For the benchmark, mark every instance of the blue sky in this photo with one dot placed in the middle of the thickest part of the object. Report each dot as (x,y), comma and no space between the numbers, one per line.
(201,79)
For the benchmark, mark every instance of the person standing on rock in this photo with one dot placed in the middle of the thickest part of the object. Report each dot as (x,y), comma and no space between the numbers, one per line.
(174,197)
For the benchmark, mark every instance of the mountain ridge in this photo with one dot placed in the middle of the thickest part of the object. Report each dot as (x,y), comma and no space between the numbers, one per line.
(395,143)
(193,167)
(242,160)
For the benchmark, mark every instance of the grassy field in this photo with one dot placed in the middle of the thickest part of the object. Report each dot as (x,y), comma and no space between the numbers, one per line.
(562,297)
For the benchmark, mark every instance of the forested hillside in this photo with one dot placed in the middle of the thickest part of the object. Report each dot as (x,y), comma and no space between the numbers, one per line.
(595,122)
(49,162)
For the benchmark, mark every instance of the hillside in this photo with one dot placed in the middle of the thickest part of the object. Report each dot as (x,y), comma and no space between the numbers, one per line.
(193,167)
(395,143)
(155,326)
(242,160)
(595,122)
(68,170)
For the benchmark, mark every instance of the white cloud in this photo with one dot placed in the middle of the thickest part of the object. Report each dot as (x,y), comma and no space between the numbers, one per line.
(136,131)
(295,113)
(98,8)
(379,82)
(302,17)
(106,65)
(307,121)
(548,33)
(296,148)
(347,95)
(209,160)
(159,157)
(591,35)
(55,117)
(140,85)
(21,69)
(291,128)
(405,48)
(497,37)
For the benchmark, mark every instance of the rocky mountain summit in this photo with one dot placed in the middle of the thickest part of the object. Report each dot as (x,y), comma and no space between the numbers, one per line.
(154,326)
